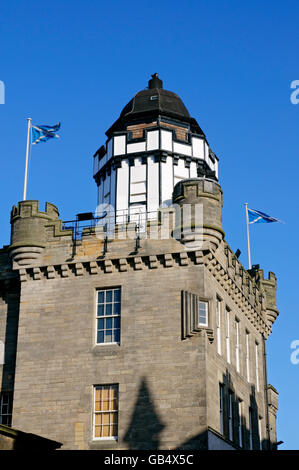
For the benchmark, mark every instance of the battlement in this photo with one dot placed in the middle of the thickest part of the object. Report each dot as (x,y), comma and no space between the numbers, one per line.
(269,287)
(30,231)
(200,200)
(254,286)
(27,209)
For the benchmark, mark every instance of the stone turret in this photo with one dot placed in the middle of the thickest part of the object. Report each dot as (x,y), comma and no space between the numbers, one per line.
(202,199)
(28,231)
(269,287)
(272,408)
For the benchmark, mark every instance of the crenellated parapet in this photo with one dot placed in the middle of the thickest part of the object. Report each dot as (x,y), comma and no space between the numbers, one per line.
(30,231)
(269,287)
(199,217)
(260,291)
(242,288)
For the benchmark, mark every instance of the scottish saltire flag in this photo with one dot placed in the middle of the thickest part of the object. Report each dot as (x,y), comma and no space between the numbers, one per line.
(260,217)
(44,133)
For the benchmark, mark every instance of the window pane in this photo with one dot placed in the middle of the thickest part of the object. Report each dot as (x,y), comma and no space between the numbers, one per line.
(5,399)
(101,297)
(116,334)
(109,309)
(202,307)
(105,431)
(100,310)
(117,295)
(97,431)
(114,430)
(105,405)
(113,392)
(113,404)
(116,322)
(203,310)
(101,323)
(108,336)
(113,398)
(109,296)
(106,418)
(116,309)
(100,337)
(109,323)
(98,419)
(97,405)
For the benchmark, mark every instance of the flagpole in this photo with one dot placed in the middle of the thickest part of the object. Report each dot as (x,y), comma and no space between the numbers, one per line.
(248,242)
(26,164)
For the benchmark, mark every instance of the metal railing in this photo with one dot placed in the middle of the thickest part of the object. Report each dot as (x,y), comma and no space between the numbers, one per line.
(107,220)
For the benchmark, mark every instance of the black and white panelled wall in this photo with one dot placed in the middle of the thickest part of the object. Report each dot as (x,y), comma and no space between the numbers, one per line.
(138,177)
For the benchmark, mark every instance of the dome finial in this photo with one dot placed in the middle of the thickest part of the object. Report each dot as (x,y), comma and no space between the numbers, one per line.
(155,82)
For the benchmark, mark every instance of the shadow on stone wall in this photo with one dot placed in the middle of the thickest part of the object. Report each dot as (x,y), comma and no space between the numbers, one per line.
(244,434)
(145,426)
(10,292)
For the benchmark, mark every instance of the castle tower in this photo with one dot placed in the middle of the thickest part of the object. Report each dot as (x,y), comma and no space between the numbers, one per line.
(154,144)
(138,342)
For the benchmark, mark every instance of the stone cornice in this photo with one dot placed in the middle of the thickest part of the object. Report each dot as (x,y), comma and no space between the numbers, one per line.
(241,288)
(110,265)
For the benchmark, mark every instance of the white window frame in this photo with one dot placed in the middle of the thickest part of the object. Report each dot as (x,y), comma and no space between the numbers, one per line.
(105,317)
(230,416)
(237,331)
(247,349)
(257,378)
(206,304)
(218,323)
(240,424)
(260,432)
(227,334)
(221,410)
(105,438)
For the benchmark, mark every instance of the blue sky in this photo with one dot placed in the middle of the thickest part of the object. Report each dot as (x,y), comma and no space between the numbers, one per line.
(232,64)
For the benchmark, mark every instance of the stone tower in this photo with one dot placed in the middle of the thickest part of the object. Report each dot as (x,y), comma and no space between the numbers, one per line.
(137,327)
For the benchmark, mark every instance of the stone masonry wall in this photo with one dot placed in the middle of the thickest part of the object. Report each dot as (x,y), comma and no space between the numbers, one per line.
(58,362)
(168,387)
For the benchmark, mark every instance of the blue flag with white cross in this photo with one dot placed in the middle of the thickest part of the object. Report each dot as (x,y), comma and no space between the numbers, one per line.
(258,217)
(44,133)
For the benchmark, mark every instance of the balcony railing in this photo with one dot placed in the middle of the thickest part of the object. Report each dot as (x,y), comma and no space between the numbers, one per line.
(107,220)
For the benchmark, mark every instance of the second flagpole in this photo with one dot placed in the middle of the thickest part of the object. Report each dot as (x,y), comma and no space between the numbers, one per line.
(27,156)
(248,242)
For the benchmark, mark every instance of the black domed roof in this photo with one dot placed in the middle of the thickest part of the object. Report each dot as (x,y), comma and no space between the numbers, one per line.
(156,99)
(152,102)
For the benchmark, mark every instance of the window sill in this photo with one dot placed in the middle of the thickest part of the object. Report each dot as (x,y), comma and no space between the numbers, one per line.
(106,349)
(97,439)
(104,444)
